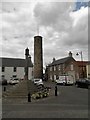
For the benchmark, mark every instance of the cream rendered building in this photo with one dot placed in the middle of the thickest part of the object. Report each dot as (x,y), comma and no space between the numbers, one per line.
(15,67)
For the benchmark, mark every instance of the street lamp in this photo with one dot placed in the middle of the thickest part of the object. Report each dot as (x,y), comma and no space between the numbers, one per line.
(26,72)
(80,53)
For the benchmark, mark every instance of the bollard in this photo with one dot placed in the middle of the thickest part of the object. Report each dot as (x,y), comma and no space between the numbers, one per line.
(55,90)
(4,89)
(29,97)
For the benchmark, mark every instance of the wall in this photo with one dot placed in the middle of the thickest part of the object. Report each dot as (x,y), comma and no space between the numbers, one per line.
(30,73)
(19,73)
(68,68)
(88,71)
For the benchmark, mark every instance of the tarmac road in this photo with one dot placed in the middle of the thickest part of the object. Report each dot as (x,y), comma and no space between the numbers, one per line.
(45,111)
(71,102)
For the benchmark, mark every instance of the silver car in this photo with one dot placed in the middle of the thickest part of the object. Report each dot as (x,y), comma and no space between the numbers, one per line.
(38,81)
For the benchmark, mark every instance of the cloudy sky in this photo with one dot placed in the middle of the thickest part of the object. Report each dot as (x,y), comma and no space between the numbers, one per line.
(63,26)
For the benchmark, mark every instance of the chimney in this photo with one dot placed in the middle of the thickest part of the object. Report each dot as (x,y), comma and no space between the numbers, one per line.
(54,59)
(26,52)
(70,54)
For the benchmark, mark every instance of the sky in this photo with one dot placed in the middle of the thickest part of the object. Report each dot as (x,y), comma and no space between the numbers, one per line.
(62,24)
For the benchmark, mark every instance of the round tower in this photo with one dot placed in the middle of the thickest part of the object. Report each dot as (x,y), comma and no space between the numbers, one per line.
(38,57)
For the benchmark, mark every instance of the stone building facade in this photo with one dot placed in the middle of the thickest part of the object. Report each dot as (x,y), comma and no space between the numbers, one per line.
(64,66)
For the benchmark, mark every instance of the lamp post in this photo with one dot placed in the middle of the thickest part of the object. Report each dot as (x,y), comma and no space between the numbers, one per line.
(26,69)
(80,53)
(26,72)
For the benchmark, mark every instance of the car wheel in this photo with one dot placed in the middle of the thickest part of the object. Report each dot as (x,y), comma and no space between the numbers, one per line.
(64,84)
(77,85)
(88,86)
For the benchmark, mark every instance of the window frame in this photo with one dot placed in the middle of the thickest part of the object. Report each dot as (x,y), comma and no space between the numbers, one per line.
(51,68)
(54,68)
(14,69)
(3,69)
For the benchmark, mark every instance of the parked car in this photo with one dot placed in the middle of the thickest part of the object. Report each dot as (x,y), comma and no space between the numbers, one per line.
(62,81)
(84,83)
(65,80)
(14,81)
(69,81)
(38,81)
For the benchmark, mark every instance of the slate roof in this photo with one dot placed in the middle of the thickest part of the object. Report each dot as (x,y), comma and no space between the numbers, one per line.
(61,61)
(14,62)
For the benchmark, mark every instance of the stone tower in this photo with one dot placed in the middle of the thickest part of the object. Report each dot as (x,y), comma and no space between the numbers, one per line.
(38,57)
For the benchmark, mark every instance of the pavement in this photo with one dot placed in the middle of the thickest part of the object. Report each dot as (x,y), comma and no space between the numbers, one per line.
(71,102)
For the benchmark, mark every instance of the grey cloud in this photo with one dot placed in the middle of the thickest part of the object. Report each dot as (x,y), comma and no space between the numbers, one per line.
(9,7)
(78,36)
(56,28)
(48,14)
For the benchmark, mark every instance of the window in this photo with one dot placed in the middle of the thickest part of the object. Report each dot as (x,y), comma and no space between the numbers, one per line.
(63,66)
(57,77)
(3,69)
(50,68)
(54,68)
(54,77)
(59,67)
(14,69)
(50,77)
(14,76)
(3,76)
(72,67)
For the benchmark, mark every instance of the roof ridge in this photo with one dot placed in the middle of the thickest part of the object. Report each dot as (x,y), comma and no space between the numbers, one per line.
(60,61)
(62,58)
(15,62)
(10,58)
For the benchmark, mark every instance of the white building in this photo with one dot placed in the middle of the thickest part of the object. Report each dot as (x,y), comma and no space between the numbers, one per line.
(15,67)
